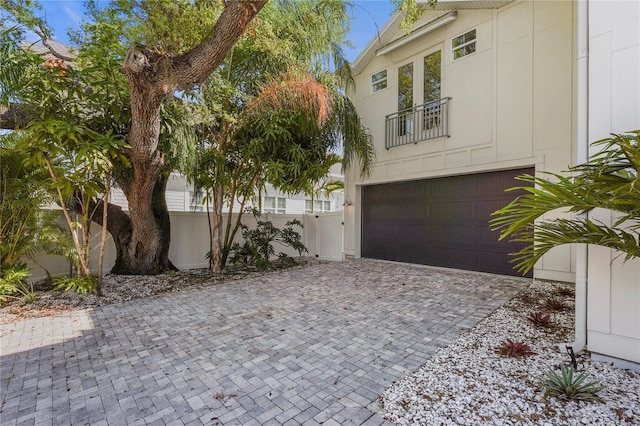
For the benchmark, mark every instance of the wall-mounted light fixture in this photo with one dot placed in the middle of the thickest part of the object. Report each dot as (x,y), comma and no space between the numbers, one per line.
(347,202)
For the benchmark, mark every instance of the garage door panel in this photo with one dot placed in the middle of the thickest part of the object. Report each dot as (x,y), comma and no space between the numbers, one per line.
(454,184)
(440,222)
(452,211)
(452,235)
(411,212)
(458,258)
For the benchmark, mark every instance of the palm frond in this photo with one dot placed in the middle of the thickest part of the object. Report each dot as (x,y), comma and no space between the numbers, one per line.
(609,180)
(294,93)
(549,234)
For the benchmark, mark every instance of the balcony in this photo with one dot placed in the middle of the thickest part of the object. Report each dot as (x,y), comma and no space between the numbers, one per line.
(420,123)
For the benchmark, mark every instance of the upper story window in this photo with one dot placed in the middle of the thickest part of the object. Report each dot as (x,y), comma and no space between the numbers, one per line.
(274,205)
(432,77)
(463,45)
(379,81)
(319,206)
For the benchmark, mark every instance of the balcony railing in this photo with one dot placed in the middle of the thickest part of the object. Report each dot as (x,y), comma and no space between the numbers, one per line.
(420,123)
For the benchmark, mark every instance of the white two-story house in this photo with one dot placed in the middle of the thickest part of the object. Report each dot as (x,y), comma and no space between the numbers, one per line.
(477,93)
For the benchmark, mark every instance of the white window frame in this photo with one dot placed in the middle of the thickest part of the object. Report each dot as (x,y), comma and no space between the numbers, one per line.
(193,205)
(462,46)
(280,205)
(384,80)
(319,206)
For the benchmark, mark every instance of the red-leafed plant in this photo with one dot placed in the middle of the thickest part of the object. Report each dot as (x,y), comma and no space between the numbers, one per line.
(554,304)
(512,349)
(540,319)
(565,292)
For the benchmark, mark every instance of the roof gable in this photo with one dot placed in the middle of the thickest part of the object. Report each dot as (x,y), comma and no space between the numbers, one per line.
(386,41)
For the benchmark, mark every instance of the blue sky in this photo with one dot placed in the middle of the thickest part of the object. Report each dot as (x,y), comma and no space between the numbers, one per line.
(369,16)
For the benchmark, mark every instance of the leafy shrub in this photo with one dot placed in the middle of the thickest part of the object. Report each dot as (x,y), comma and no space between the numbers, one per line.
(540,319)
(567,386)
(512,349)
(13,284)
(81,284)
(258,247)
(553,304)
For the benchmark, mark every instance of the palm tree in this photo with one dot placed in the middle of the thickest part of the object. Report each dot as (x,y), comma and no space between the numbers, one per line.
(609,180)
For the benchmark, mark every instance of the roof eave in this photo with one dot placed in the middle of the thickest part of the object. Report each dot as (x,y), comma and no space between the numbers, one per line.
(381,39)
(468,4)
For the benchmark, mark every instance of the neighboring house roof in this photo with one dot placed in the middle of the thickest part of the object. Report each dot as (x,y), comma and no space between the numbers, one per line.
(51,49)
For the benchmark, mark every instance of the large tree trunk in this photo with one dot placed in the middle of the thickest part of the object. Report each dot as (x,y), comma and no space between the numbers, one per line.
(152,77)
(136,252)
(146,251)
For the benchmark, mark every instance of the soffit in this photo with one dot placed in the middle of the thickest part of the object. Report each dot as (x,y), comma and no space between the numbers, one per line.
(468,4)
(421,31)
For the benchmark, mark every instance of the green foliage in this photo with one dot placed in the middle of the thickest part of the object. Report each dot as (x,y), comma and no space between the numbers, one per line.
(24,12)
(260,124)
(13,283)
(71,132)
(609,180)
(258,248)
(171,27)
(81,284)
(294,125)
(566,386)
(512,349)
(411,10)
(26,230)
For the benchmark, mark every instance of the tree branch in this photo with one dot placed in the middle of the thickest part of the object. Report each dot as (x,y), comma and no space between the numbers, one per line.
(197,64)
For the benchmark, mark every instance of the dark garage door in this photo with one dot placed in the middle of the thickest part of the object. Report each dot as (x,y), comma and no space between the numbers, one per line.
(440,222)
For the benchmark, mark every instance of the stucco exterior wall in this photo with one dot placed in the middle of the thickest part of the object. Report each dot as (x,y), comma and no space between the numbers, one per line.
(613,307)
(511,105)
(321,234)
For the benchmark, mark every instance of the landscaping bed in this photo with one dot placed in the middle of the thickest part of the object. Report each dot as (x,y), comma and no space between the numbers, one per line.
(120,288)
(469,383)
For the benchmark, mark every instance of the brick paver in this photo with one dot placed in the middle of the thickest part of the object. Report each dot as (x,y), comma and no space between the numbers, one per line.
(309,346)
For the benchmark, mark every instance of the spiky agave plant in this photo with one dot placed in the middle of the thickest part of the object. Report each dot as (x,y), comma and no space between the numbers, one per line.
(567,385)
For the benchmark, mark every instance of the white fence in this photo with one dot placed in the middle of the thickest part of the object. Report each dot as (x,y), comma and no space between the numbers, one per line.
(322,235)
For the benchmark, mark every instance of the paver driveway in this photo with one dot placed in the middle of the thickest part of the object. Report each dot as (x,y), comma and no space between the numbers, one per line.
(309,346)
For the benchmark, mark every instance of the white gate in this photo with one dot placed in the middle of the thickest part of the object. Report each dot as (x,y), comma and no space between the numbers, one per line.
(323,233)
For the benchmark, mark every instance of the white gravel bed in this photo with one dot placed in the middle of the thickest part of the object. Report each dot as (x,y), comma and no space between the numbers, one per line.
(467,383)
